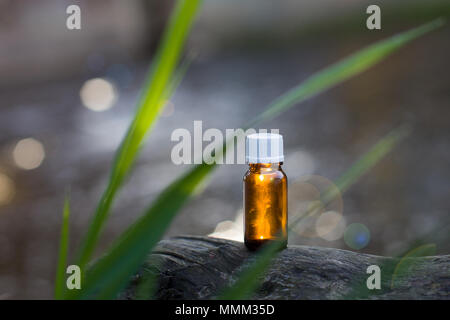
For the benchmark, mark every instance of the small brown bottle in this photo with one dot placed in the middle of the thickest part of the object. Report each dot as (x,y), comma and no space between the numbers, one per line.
(265,191)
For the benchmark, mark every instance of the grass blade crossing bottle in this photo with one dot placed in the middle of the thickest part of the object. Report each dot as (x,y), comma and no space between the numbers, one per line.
(265,190)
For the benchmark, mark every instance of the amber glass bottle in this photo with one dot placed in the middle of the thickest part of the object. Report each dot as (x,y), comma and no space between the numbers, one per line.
(265,191)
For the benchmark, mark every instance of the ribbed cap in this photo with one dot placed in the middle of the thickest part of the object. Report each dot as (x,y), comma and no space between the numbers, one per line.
(264,148)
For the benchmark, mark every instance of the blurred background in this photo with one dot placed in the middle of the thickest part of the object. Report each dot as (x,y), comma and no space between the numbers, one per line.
(66,98)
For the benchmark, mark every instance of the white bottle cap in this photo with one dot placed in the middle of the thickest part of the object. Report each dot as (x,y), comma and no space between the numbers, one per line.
(264,148)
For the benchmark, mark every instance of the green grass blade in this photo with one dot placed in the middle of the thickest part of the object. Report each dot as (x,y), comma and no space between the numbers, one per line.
(147,287)
(368,160)
(343,70)
(149,108)
(407,262)
(63,249)
(248,280)
(131,249)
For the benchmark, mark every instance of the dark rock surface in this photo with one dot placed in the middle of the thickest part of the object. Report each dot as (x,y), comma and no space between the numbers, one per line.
(197,267)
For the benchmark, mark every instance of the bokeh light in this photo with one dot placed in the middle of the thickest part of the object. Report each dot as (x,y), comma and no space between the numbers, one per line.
(357,236)
(98,94)
(330,226)
(7,189)
(28,153)
(232,230)
(306,203)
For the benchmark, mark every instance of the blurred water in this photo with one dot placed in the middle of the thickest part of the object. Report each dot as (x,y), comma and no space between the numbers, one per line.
(403,197)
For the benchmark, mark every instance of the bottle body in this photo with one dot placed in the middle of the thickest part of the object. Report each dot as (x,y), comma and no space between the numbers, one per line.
(265,204)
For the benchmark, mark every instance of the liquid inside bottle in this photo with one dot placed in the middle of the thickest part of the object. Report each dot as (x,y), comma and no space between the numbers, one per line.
(265,195)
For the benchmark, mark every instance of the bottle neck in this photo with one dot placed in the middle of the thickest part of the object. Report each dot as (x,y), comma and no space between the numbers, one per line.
(258,167)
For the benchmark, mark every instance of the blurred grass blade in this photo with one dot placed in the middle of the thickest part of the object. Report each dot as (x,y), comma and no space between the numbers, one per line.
(368,160)
(149,108)
(343,70)
(146,289)
(111,273)
(407,262)
(248,279)
(364,164)
(63,249)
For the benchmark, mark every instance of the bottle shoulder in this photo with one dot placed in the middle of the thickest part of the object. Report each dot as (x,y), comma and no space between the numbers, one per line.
(275,174)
